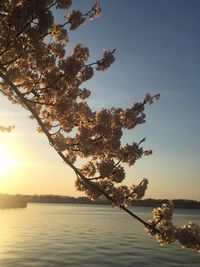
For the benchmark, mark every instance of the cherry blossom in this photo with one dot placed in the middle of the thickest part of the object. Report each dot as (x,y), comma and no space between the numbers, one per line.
(39,73)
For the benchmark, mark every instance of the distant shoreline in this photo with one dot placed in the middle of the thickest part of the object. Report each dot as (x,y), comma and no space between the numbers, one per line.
(20,201)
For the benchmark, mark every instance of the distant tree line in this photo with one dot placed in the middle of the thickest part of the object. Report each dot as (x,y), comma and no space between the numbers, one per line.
(16,200)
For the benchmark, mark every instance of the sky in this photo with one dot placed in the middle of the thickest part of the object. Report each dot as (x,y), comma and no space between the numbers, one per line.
(157,50)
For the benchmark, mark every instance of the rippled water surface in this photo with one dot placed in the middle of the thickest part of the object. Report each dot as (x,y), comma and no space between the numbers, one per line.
(46,235)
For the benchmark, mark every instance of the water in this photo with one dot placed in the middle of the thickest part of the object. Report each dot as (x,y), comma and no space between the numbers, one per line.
(46,235)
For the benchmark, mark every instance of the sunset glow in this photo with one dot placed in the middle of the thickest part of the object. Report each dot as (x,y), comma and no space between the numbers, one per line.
(7,162)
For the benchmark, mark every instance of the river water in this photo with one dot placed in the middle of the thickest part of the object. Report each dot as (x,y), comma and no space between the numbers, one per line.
(46,235)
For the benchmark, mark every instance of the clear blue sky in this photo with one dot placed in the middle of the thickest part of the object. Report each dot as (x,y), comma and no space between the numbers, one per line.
(157,49)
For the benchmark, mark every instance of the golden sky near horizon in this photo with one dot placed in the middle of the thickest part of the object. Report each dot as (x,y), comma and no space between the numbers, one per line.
(29,165)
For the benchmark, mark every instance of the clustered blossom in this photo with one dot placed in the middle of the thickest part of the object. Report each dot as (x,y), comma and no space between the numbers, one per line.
(157,96)
(105,168)
(138,191)
(96,11)
(71,67)
(123,195)
(59,33)
(133,116)
(81,52)
(118,174)
(63,4)
(39,73)
(88,188)
(120,196)
(75,18)
(89,169)
(84,93)
(163,213)
(149,98)
(147,153)
(106,61)
(187,235)
(167,233)
(86,74)
(58,49)
(163,219)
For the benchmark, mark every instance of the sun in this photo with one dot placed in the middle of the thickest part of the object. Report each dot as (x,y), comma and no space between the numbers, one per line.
(7,162)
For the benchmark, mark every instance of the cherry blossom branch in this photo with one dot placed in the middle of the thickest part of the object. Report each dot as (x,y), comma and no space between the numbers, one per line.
(100,60)
(7,42)
(76,18)
(33,89)
(28,106)
(15,59)
(40,103)
(17,35)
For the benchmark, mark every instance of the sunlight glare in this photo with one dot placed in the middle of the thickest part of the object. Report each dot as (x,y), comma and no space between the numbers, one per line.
(7,162)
